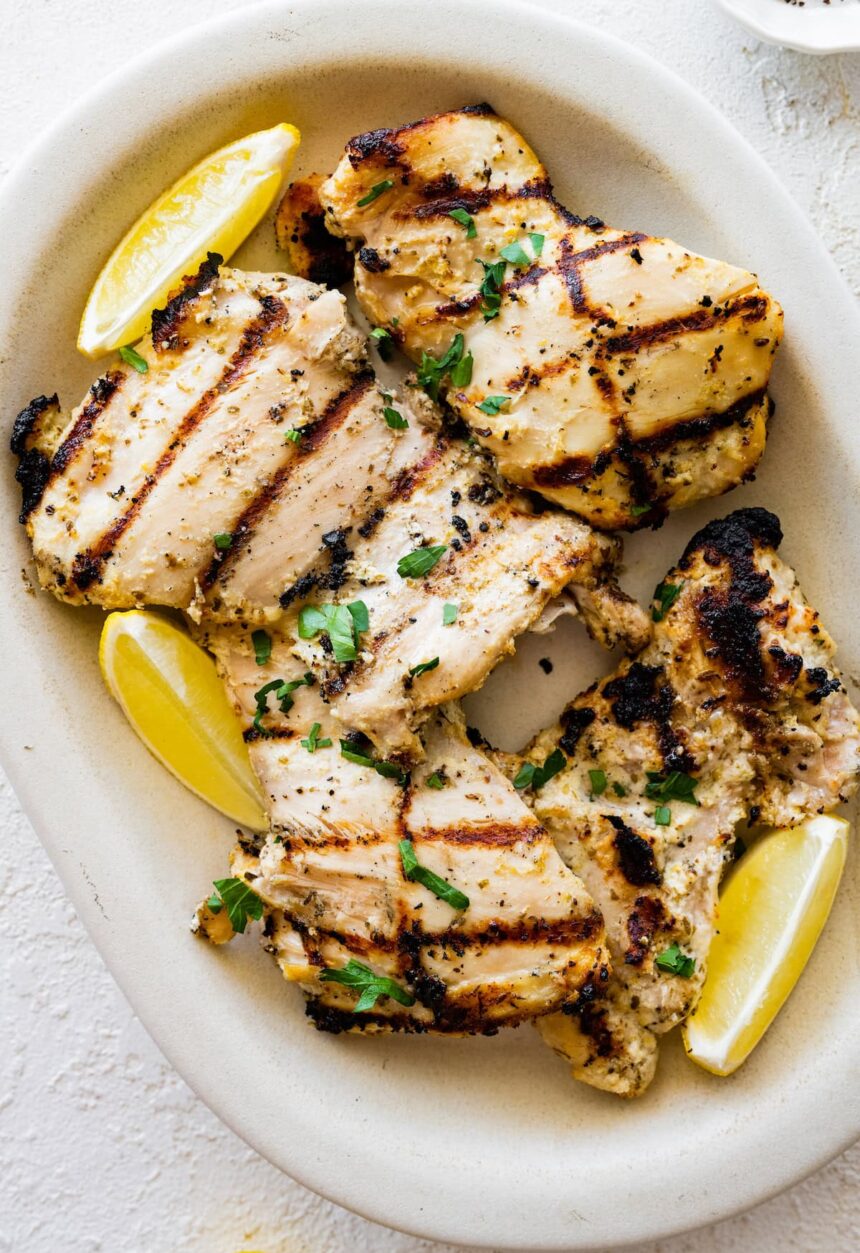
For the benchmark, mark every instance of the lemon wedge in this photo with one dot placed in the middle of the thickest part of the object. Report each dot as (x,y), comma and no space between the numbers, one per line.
(212,208)
(169,690)
(771,915)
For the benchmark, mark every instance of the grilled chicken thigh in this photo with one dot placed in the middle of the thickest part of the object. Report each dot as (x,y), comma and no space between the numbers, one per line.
(498,565)
(618,374)
(332,875)
(153,466)
(735,712)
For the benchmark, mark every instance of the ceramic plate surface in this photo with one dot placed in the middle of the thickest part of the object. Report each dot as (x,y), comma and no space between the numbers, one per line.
(481,1141)
(815,26)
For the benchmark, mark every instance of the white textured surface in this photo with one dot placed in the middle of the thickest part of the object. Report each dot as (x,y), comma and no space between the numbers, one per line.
(103,1148)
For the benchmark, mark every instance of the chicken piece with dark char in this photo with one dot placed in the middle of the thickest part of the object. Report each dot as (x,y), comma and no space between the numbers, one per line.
(734,715)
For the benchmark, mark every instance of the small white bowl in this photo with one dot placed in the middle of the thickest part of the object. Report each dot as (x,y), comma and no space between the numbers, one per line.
(813,27)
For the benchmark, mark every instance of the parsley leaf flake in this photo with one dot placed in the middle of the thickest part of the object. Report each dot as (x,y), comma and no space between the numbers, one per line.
(453,363)
(434,883)
(395,420)
(665,595)
(494,404)
(133,358)
(675,786)
(384,342)
(262,642)
(375,192)
(515,254)
(598,781)
(420,561)
(239,900)
(369,985)
(491,288)
(674,962)
(313,742)
(466,220)
(423,667)
(531,775)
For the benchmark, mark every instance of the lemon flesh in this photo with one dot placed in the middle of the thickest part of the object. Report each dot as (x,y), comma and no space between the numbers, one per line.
(212,208)
(169,690)
(771,915)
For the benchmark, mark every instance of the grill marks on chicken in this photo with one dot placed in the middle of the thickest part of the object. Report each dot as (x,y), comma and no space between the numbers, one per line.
(635,371)
(331,875)
(501,565)
(153,465)
(738,690)
(292,537)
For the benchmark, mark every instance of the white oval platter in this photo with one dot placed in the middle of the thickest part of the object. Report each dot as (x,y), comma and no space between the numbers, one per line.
(478,1141)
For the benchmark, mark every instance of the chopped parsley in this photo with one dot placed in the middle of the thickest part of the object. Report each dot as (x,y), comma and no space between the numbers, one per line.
(360,615)
(449,614)
(537,243)
(395,420)
(342,623)
(598,781)
(390,770)
(238,899)
(491,288)
(283,695)
(530,775)
(619,789)
(262,699)
(465,219)
(420,561)
(662,816)
(384,342)
(515,254)
(370,986)
(453,363)
(354,751)
(636,511)
(674,962)
(494,404)
(375,192)
(675,786)
(423,667)
(435,780)
(133,358)
(665,595)
(313,742)
(461,372)
(262,642)
(292,436)
(440,887)
(222,540)
(359,759)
